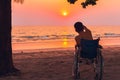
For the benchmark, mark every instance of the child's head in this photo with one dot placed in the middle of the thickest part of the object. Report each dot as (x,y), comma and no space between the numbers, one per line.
(78,27)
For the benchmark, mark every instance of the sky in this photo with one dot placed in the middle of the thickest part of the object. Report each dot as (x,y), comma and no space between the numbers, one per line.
(61,13)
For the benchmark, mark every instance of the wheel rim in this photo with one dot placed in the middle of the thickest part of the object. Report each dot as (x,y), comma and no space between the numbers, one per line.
(99,67)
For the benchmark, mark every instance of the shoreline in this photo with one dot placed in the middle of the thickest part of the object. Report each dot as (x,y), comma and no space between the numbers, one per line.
(58,44)
(55,49)
(43,50)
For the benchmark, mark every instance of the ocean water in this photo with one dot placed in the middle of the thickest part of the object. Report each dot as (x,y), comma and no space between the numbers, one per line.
(42,37)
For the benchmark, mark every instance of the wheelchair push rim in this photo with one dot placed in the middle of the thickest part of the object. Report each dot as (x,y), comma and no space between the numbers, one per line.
(99,66)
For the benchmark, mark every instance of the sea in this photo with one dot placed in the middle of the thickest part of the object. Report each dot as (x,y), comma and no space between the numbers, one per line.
(47,37)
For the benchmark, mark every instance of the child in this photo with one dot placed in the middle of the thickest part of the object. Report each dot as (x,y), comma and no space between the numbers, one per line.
(83,33)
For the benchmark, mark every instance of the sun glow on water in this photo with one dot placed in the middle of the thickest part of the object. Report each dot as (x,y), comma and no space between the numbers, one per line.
(65,42)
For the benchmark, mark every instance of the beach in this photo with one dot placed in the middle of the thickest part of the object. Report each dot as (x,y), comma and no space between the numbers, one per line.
(56,64)
(43,37)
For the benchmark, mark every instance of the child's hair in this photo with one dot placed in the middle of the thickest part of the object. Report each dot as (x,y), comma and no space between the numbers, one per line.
(78,27)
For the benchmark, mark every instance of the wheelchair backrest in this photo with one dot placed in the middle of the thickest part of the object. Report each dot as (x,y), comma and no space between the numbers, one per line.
(89,48)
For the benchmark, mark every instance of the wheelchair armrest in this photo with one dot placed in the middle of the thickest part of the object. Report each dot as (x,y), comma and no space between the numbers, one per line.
(99,46)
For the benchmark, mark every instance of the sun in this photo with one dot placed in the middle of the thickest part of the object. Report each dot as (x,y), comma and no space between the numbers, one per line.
(64,13)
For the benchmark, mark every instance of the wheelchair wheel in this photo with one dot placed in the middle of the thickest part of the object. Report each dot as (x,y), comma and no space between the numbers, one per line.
(99,66)
(76,67)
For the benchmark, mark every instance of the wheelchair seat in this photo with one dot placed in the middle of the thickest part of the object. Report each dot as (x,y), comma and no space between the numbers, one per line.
(89,48)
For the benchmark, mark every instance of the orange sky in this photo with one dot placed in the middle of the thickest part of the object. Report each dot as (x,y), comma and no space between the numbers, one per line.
(50,13)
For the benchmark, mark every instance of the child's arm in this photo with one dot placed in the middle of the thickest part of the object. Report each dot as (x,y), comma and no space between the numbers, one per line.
(77,39)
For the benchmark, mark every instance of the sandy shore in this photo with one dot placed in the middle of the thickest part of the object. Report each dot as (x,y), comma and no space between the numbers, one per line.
(56,64)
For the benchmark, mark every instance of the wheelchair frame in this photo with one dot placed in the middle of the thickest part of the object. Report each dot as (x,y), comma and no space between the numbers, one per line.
(97,63)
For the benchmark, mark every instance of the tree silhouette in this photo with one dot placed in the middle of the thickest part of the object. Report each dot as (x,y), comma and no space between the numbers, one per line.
(6,62)
(84,4)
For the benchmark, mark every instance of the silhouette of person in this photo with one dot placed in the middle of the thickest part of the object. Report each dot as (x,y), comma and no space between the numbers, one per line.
(83,33)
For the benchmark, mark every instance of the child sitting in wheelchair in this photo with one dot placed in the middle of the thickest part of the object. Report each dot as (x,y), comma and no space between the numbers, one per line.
(88,51)
(83,34)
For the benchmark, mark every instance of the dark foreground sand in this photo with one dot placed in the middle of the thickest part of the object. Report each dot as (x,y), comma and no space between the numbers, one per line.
(57,64)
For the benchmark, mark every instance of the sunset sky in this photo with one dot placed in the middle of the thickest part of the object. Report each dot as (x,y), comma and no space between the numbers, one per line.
(61,13)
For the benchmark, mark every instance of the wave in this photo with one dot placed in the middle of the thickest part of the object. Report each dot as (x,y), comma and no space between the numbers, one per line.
(28,38)
(111,35)
(45,37)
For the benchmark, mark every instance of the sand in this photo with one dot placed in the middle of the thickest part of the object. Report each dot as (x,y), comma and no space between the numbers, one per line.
(56,64)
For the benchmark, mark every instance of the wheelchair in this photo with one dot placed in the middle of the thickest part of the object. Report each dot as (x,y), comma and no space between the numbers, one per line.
(90,50)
